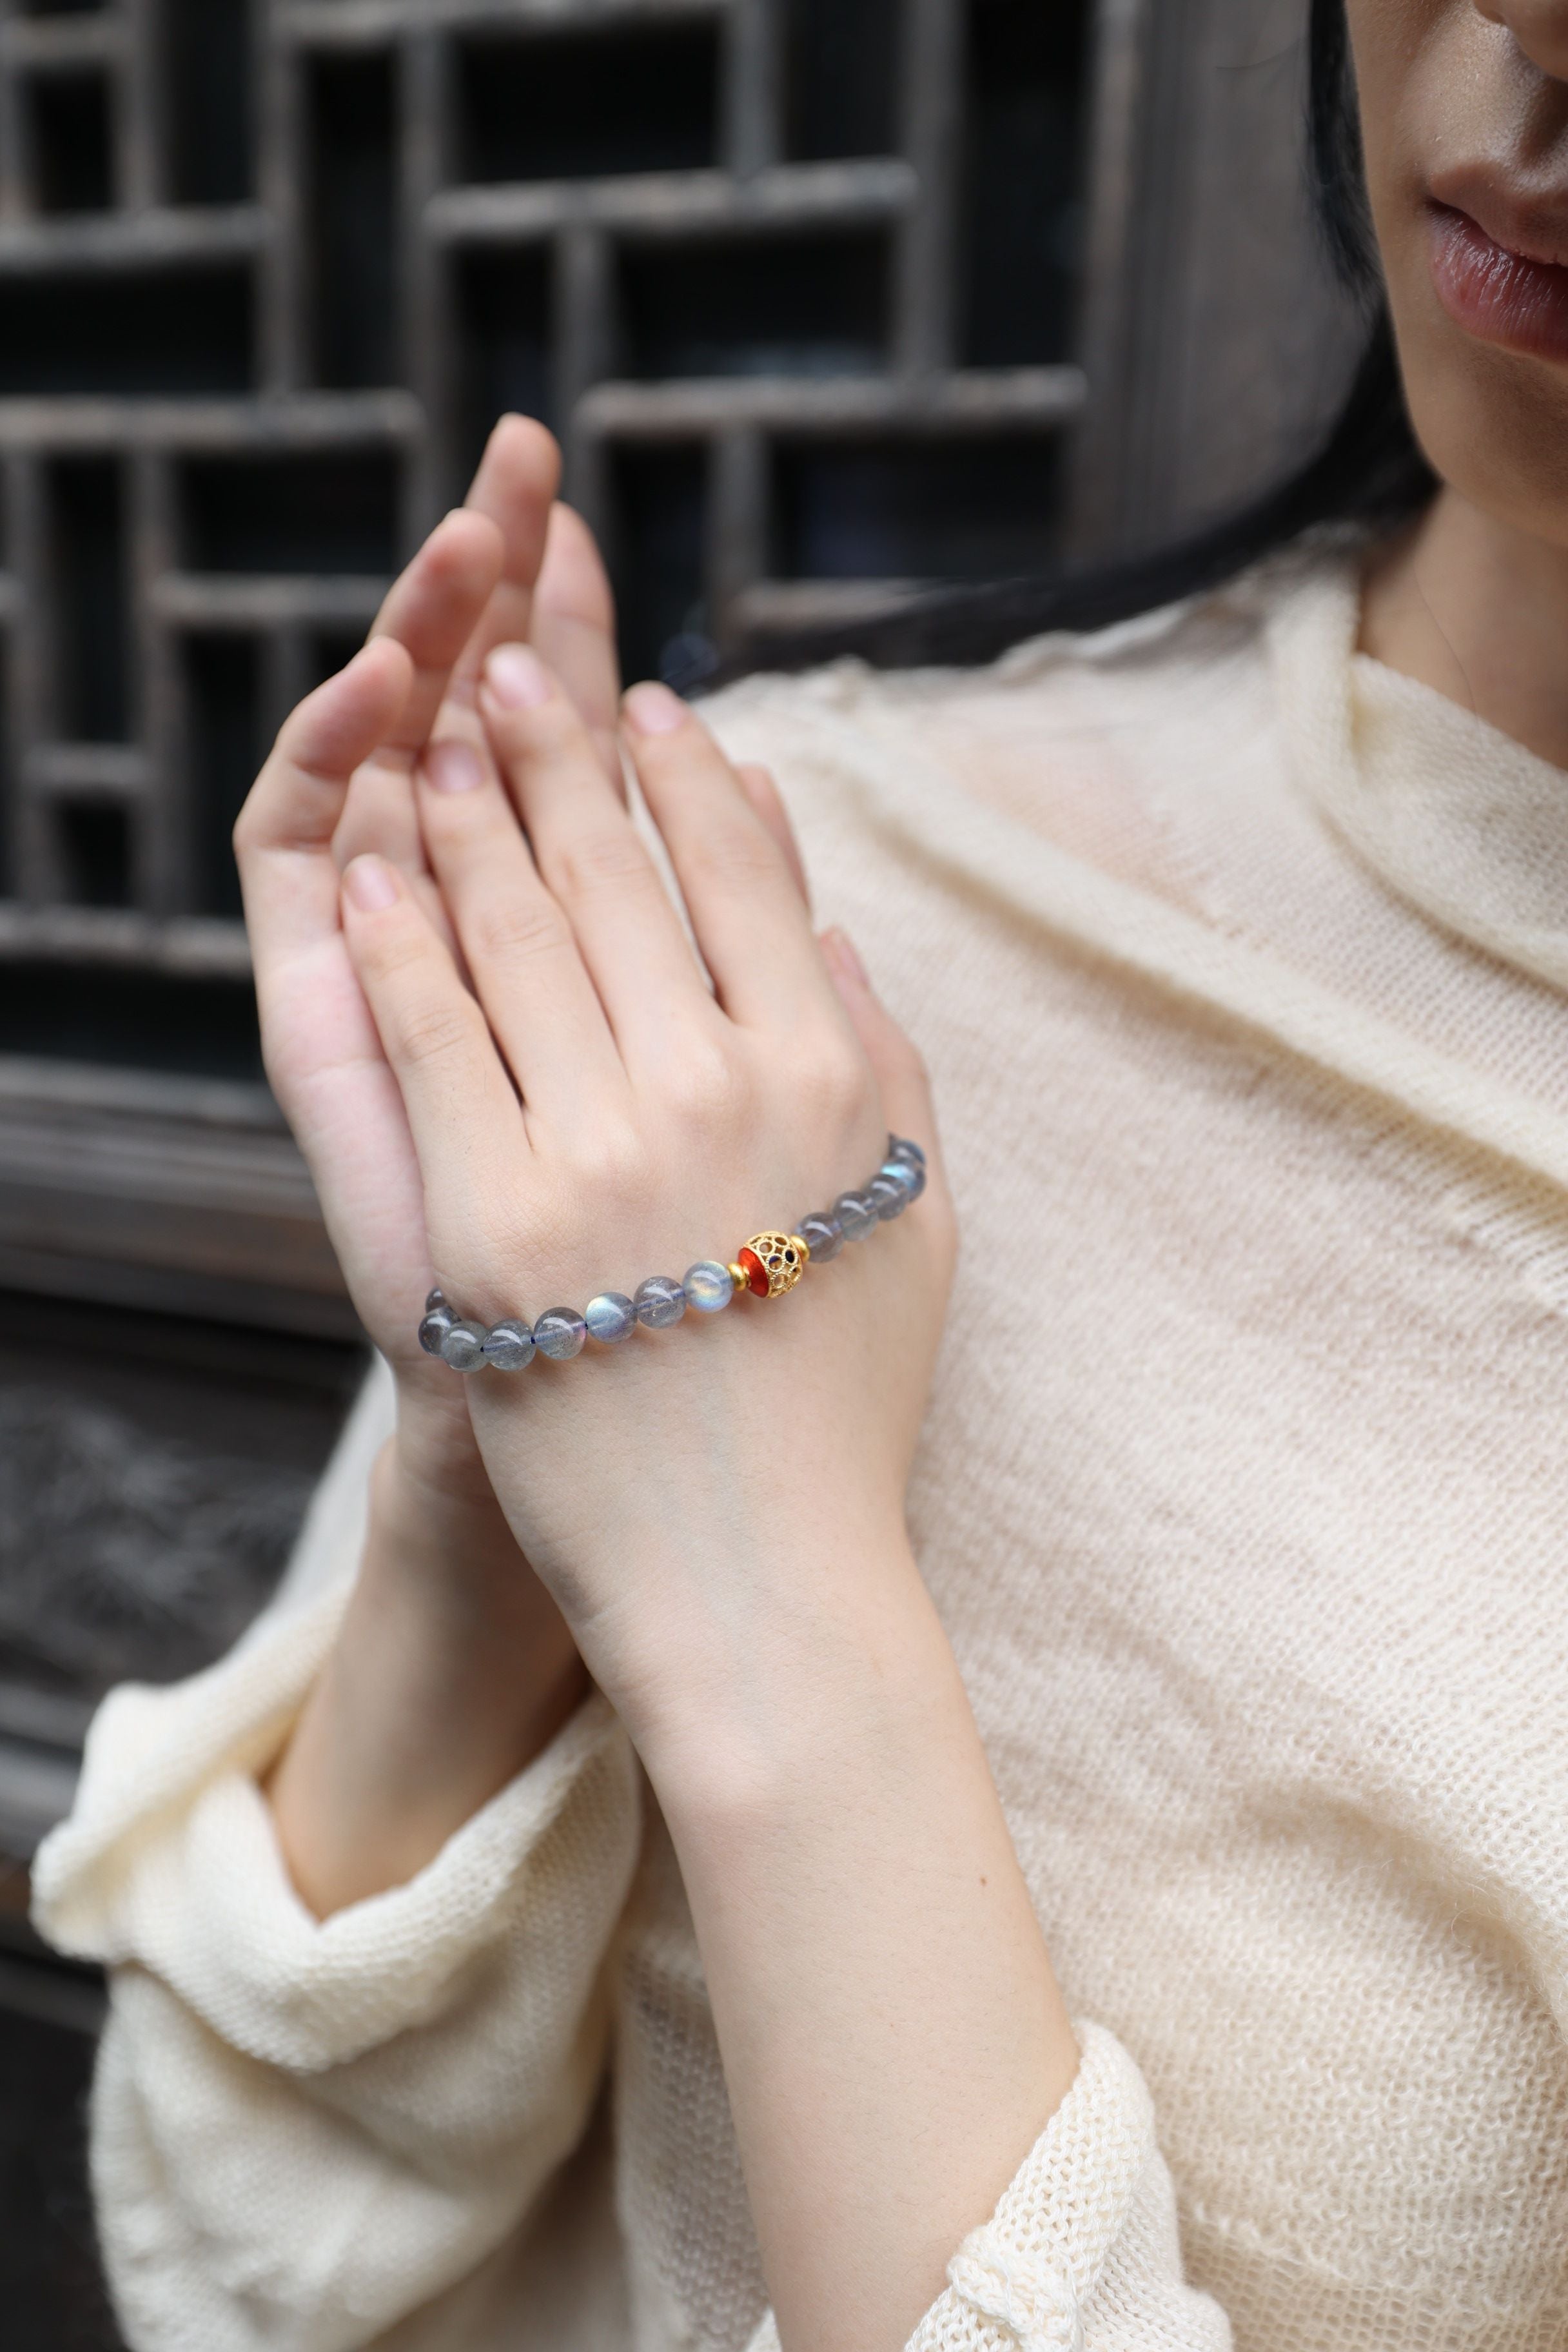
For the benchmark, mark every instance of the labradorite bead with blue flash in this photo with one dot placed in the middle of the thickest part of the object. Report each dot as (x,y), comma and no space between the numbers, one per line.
(709,1287)
(509,1345)
(857,1212)
(464,1347)
(560,1333)
(610,1317)
(659,1302)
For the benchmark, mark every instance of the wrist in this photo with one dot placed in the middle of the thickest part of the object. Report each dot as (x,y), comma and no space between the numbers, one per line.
(452,1671)
(823,1656)
(436,1454)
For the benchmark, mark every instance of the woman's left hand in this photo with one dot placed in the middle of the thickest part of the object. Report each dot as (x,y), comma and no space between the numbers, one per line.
(593,1113)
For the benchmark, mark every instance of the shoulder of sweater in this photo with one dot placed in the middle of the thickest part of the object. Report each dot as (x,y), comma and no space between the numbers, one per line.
(1182,640)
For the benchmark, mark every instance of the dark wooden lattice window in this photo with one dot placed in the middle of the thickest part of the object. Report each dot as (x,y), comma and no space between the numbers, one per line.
(799,283)
(795,281)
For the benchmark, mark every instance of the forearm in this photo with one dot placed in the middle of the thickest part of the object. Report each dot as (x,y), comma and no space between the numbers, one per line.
(893,2038)
(452,1671)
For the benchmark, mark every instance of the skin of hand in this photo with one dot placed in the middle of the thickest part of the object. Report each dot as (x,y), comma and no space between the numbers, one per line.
(719,1509)
(1464,107)
(454,1667)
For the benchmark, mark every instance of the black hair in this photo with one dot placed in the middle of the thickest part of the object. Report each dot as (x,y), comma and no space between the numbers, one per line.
(1368,471)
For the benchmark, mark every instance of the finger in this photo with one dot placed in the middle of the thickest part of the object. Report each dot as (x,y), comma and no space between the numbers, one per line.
(899,1071)
(746,906)
(430,611)
(515,489)
(465,1121)
(760,789)
(590,855)
(283,840)
(574,633)
(516,940)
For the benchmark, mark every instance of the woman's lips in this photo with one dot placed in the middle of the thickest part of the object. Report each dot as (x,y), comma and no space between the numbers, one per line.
(1497,294)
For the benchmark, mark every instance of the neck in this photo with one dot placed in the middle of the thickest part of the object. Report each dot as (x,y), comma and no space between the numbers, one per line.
(1479,611)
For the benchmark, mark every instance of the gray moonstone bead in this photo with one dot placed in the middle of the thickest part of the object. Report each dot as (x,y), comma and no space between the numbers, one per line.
(823,1236)
(908,1173)
(900,1148)
(560,1332)
(437,1298)
(709,1287)
(889,1196)
(857,1212)
(438,1321)
(660,1301)
(464,1347)
(509,1346)
(610,1317)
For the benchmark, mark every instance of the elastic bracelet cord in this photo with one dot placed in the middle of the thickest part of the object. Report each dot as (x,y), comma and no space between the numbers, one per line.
(767,1266)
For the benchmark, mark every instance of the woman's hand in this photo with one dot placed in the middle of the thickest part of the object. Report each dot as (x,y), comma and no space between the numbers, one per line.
(453,1667)
(593,1114)
(508,564)
(719,1508)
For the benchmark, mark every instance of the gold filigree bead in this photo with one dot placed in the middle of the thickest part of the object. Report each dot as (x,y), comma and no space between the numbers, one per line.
(773,1263)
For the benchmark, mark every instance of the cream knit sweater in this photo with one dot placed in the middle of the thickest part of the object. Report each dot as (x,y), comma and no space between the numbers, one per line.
(1238,964)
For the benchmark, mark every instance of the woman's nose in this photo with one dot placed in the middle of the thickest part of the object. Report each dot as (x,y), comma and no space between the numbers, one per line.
(1540,27)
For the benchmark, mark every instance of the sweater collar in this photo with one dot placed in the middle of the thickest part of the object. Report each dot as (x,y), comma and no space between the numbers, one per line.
(1453,816)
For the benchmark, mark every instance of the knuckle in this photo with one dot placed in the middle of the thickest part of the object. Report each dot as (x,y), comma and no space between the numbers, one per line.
(709,1093)
(515,929)
(610,1168)
(833,1083)
(609,856)
(730,856)
(429,1034)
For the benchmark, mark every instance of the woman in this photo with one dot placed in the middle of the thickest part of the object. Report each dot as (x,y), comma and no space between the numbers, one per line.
(1226,1711)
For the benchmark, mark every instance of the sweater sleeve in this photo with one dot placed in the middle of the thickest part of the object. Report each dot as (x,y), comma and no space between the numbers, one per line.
(1082,2253)
(305,2130)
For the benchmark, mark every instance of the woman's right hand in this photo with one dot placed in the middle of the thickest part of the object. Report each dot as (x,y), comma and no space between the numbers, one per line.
(453,1666)
(511,562)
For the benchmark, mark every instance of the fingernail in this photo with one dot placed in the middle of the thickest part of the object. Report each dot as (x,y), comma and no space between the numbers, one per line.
(368,884)
(842,949)
(452,767)
(517,676)
(654,710)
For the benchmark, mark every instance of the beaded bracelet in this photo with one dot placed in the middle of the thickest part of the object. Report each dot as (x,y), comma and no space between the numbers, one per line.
(768,1266)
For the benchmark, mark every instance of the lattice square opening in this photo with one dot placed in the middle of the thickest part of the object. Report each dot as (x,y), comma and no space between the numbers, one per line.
(88,580)
(916,509)
(503,308)
(150,1019)
(226,745)
(1024,170)
(141,330)
(841,78)
(587,105)
(658,551)
(351,137)
(95,846)
(208,49)
(70,128)
(806,306)
(323,511)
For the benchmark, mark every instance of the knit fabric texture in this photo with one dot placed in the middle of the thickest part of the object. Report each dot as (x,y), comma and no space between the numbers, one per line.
(1238,963)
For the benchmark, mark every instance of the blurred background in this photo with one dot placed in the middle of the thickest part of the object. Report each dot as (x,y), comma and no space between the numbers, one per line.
(825,298)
